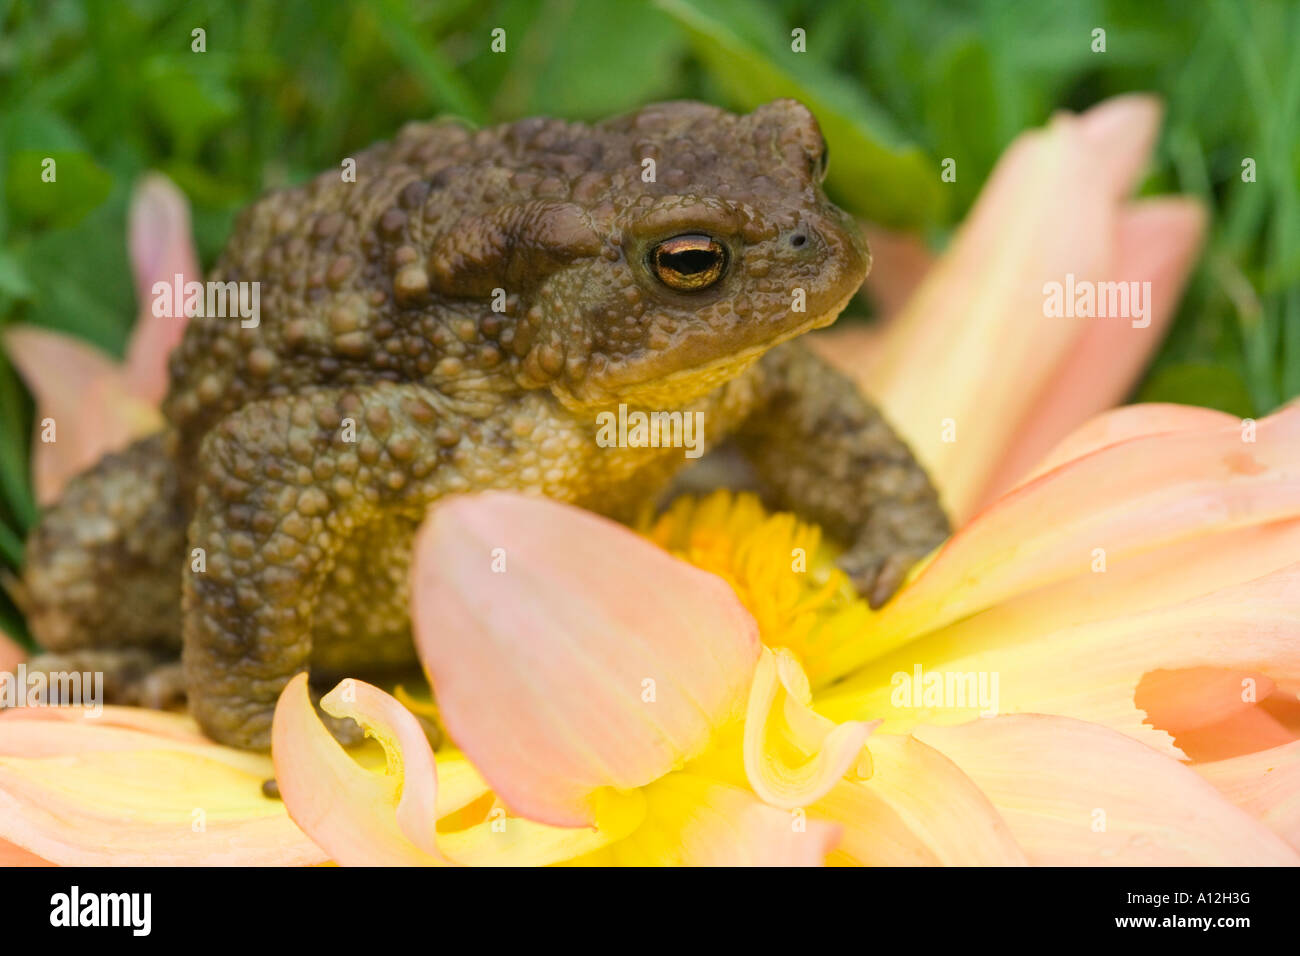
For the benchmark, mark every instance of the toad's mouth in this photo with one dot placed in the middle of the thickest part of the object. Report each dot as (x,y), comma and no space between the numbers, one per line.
(655,383)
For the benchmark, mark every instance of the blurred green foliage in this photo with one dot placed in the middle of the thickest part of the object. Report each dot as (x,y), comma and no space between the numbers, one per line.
(110,88)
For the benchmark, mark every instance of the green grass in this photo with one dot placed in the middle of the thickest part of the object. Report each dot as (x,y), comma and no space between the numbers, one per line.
(287,87)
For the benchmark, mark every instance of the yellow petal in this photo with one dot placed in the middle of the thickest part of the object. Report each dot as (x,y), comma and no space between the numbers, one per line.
(694,821)
(89,793)
(793,756)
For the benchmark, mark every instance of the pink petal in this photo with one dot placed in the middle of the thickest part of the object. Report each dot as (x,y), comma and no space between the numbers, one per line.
(593,660)
(1077,794)
(161,248)
(1158,241)
(973,348)
(1121,424)
(85,394)
(851,347)
(918,809)
(1265,784)
(359,817)
(899,262)
(11,653)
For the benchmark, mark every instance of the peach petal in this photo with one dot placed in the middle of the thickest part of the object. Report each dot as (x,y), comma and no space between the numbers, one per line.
(93,794)
(1091,670)
(1157,242)
(85,394)
(1265,784)
(1074,793)
(1185,699)
(161,248)
(779,706)
(695,821)
(11,653)
(1248,731)
(1129,421)
(13,855)
(1124,499)
(607,662)
(982,306)
(157,723)
(851,347)
(357,816)
(899,262)
(918,808)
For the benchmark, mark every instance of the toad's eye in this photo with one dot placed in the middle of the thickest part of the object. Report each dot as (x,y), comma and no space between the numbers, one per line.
(688,263)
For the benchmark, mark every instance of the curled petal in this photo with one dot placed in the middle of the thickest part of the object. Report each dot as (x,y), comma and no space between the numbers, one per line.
(1075,793)
(588,658)
(918,809)
(363,817)
(357,816)
(793,756)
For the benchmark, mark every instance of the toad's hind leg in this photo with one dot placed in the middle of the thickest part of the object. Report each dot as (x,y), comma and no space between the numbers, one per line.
(103,566)
(284,484)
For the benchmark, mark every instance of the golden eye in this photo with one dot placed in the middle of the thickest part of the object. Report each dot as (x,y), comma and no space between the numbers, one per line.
(688,263)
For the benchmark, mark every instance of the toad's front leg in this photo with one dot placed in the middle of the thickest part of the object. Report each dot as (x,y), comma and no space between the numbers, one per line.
(826,453)
(283,482)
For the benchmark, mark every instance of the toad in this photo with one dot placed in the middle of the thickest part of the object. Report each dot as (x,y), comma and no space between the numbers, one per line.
(460,315)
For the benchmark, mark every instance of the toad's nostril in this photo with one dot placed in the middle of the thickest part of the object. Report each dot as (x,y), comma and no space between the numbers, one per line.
(798,239)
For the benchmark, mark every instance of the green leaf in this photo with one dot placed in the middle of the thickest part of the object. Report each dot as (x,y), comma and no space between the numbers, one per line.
(450,93)
(188,96)
(873,172)
(575,64)
(1210,386)
(15,481)
(78,185)
(13,281)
